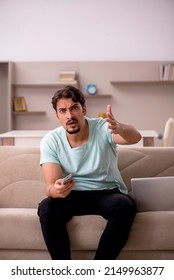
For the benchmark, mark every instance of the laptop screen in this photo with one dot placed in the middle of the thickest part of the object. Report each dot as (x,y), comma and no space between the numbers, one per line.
(153,193)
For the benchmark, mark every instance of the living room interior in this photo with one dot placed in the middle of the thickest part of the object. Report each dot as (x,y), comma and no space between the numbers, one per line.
(104,55)
(123,48)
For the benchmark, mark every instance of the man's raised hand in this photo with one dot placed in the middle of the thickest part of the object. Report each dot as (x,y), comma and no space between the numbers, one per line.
(113,125)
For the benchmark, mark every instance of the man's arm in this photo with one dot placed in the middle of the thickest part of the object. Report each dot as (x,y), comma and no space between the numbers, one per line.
(122,133)
(55,188)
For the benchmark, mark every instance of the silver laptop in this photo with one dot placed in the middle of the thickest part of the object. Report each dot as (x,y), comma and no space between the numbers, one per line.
(153,193)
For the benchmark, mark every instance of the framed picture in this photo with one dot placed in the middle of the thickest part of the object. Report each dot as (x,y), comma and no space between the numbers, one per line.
(19,104)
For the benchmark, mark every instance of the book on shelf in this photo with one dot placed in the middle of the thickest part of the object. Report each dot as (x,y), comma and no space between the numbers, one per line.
(67,75)
(19,104)
(171,72)
(167,72)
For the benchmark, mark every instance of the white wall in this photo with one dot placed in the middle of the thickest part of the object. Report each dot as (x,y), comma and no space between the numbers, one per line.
(47,30)
(95,30)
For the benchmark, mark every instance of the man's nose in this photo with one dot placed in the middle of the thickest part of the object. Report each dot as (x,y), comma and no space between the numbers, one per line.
(69,114)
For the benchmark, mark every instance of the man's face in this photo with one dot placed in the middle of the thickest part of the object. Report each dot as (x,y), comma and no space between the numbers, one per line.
(70,114)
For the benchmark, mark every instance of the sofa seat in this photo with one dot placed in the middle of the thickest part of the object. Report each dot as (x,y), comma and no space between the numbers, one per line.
(20,230)
(152,231)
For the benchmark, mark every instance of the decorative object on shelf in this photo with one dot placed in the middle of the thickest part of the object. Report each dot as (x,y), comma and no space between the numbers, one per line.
(102,115)
(19,104)
(91,88)
(67,75)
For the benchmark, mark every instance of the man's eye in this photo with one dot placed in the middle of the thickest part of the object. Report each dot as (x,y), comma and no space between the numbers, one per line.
(75,107)
(62,111)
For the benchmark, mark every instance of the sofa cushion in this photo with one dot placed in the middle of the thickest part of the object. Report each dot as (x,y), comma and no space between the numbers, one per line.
(145,162)
(21,180)
(152,231)
(20,229)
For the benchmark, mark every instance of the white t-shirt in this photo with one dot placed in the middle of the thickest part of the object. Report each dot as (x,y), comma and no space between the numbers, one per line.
(93,165)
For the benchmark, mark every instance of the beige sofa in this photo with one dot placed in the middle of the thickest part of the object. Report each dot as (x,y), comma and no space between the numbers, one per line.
(22,187)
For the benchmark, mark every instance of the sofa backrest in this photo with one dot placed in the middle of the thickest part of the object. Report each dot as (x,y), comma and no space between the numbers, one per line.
(21,180)
(145,162)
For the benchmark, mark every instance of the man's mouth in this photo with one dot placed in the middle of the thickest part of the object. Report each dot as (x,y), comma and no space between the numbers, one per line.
(71,123)
(72,126)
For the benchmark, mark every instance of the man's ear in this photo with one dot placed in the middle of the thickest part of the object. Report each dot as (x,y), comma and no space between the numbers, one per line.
(84,110)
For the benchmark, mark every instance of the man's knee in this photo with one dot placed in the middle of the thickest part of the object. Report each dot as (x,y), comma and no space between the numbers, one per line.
(127,203)
(124,206)
(55,209)
(44,206)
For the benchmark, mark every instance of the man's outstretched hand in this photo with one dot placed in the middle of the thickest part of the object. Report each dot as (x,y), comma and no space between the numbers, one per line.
(113,125)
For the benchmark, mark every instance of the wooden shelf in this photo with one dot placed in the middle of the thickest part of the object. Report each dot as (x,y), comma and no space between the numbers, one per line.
(98,96)
(29,113)
(117,83)
(37,80)
(47,85)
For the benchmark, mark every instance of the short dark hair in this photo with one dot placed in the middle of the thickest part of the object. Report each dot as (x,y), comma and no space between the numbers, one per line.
(68,92)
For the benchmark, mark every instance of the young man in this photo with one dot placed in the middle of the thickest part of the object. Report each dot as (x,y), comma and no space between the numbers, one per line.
(86,148)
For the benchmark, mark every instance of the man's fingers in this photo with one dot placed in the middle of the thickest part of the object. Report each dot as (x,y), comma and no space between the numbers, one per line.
(109,112)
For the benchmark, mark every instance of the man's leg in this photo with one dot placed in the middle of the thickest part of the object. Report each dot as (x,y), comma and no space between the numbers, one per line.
(119,210)
(54,214)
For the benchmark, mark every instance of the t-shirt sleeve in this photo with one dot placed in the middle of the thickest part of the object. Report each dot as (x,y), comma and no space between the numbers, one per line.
(49,151)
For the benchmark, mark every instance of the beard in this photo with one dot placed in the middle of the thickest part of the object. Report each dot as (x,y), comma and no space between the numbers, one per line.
(72,126)
(73,131)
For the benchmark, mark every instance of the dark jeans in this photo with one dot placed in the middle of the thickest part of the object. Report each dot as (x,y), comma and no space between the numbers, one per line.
(117,208)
